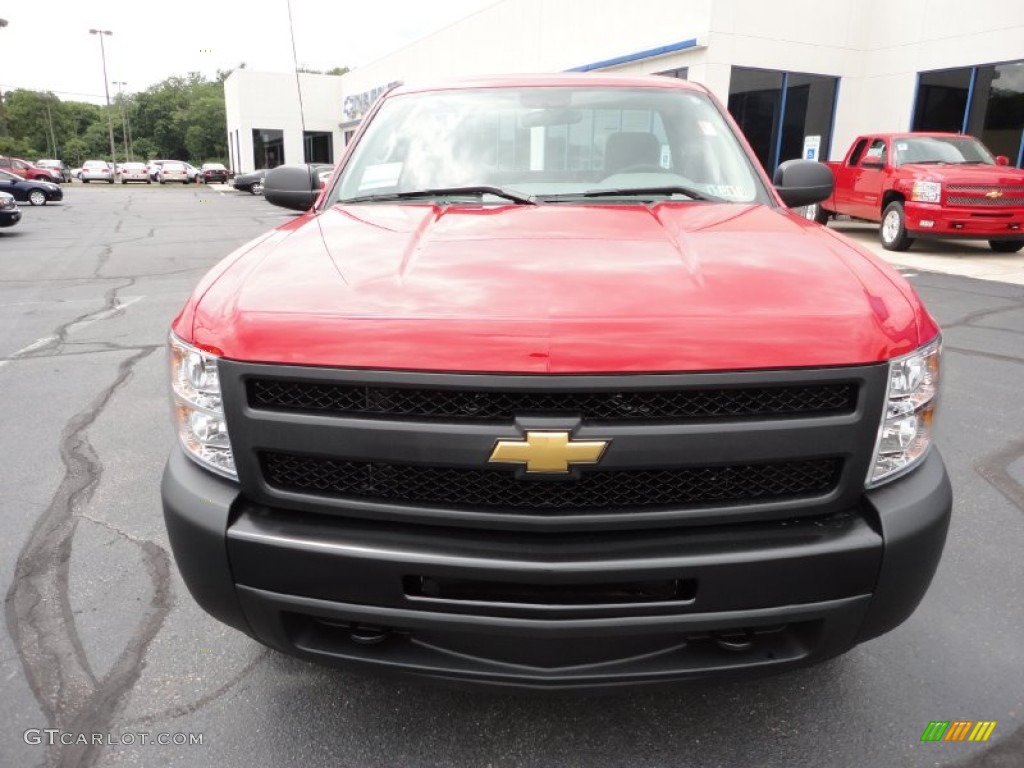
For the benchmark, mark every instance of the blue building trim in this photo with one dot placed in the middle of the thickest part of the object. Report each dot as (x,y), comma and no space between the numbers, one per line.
(650,53)
(970,99)
(1020,152)
(777,152)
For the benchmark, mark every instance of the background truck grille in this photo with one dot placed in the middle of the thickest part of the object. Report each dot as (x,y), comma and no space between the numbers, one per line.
(616,490)
(977,194)
(491,405)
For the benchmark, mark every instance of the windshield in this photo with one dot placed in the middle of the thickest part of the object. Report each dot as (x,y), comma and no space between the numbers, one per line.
(958,150)
(550,144)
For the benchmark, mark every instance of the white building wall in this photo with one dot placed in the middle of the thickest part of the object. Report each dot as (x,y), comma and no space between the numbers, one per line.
(271,101)
(876,48)
(920,36)
(540,36)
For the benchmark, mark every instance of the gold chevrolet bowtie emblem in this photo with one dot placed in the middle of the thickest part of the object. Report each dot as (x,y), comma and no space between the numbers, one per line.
(548,451)
(995,193)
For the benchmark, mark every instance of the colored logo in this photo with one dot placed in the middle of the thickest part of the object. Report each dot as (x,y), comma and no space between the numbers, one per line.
(548,451)
(958,730)
(994,194)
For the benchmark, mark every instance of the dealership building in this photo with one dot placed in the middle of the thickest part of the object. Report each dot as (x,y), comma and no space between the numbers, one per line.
(801,77)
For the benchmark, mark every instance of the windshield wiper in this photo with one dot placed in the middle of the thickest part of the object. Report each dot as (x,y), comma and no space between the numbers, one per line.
(668,189)
(415,194)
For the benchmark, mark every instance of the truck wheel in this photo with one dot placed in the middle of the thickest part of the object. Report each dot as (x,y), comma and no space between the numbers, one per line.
(1006,246)
(893,231)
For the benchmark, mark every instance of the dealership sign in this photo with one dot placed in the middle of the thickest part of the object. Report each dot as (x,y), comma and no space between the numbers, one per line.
(358,105)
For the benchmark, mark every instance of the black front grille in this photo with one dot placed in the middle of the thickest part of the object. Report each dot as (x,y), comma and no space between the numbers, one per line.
(615,490)
(999,202)
(984,195)
(492,405)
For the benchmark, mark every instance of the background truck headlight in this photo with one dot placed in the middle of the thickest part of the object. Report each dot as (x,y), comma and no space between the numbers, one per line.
(905,434)
(926,192)
(198,410)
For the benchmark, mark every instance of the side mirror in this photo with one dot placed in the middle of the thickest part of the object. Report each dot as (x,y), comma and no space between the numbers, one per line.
(292,186)
(803,182)
(1002,160)
(874,165)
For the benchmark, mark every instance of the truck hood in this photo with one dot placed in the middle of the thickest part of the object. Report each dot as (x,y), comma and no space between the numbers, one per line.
(557,288)
(994,175)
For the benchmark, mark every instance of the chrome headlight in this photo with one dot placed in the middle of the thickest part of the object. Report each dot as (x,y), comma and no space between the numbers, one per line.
(198,408)
(926,192)
(905,434)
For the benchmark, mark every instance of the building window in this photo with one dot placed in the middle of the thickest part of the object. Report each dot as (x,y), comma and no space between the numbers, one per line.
(985,101)
(942,100)
(779,111)
(682,73)
(267,148)
(318,146)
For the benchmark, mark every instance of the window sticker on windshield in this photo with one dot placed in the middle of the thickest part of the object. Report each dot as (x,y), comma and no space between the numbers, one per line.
(901,146)
(707,128)
(381,175)
(728,191)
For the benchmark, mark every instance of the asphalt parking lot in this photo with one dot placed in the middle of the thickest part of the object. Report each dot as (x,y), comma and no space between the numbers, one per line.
(101,636)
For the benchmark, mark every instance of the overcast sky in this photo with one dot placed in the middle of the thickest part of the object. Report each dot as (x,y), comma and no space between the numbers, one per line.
(47,46)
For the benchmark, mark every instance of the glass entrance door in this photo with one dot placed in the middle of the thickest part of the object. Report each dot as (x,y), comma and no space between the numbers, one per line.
(780,111)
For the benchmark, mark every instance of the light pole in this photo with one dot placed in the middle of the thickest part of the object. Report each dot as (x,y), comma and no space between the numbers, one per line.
(3,120)
(124,119)
(106,90)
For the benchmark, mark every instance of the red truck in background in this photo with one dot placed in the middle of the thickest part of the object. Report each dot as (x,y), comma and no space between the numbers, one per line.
(928,185)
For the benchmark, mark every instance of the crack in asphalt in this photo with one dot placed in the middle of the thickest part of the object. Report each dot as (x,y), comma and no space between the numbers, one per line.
(38,607)
(979,353)
(105,347)
(202,702)
(112,307)
(971,317)
(996,470)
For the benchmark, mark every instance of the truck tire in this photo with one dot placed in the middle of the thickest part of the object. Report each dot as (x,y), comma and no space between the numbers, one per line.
(1006,246)
(893,232)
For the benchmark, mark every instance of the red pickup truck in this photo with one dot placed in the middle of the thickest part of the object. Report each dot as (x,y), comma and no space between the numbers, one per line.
(928,185)
(551,388)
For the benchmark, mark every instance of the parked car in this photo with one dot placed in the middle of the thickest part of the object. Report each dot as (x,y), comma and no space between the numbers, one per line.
(24,169)
(32,192)
(97,170)
(10,213)
(173,171)
(191,171)
(250,182)
(60,172)
(215,172)
(135,172)
(925,185)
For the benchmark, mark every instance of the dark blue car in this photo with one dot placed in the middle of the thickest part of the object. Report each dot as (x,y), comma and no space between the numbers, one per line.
(31,192)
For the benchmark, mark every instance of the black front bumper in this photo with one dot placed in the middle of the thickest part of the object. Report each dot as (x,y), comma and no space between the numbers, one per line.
(756,596)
